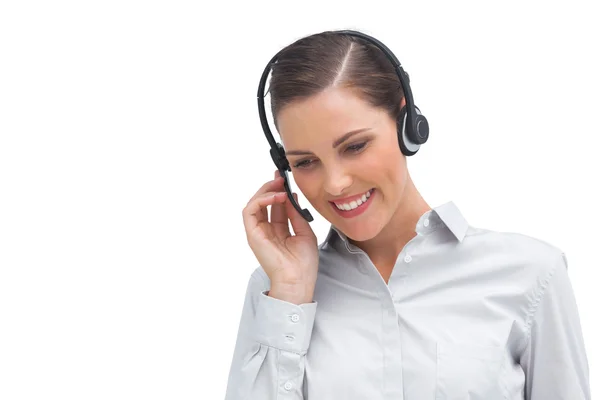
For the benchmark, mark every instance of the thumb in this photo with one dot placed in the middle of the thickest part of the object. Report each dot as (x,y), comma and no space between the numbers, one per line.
(299,224)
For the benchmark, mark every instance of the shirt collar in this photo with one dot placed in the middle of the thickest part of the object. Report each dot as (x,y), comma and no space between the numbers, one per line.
(446,214)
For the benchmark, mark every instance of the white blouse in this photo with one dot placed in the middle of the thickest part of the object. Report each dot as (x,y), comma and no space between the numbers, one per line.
(467,314)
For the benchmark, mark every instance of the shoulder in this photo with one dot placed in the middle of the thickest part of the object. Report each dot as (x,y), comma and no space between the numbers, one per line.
(514,241)
(533,258)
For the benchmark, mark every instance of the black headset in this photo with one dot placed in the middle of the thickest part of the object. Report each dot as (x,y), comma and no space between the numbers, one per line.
(413,128)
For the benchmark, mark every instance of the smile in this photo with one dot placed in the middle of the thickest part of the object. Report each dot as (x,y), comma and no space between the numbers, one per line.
(354,207)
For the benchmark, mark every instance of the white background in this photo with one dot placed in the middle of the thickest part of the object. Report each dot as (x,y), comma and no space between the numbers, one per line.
(130,142)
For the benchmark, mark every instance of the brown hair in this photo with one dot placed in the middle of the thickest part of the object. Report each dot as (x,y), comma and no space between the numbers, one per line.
(329,59)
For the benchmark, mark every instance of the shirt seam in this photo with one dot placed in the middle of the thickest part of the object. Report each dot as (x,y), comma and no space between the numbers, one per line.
(534,305)
(301,353)
(278,374)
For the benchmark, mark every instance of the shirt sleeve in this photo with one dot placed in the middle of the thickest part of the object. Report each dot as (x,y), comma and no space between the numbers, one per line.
(554,359)
(272,341)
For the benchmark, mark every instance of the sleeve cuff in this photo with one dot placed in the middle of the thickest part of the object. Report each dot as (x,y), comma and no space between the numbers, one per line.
(283,325)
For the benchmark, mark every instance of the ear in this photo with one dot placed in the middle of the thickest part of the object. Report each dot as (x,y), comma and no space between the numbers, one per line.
(402,102)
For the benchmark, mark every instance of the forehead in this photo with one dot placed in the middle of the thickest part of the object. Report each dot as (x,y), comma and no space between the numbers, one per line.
(319,119)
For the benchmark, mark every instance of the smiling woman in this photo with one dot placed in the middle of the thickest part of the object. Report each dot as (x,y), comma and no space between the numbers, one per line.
(401,300)
(341,166)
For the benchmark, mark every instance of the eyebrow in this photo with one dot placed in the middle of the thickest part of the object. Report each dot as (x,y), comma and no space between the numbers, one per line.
(335,144)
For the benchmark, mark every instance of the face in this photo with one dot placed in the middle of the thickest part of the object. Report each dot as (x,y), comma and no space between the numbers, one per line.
(368,164)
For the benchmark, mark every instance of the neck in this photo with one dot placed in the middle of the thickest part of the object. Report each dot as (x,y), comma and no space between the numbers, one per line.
(385,247)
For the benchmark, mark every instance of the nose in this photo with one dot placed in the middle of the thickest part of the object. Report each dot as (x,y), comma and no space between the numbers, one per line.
(337,181)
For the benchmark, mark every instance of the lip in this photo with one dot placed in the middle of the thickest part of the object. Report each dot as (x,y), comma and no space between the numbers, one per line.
(350,198)
(358,210)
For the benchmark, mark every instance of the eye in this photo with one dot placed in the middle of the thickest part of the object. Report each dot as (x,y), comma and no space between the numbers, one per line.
(302,164)
(355,148)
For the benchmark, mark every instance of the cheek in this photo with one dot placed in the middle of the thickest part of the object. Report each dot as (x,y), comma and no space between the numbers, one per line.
(381,162)
(308,185)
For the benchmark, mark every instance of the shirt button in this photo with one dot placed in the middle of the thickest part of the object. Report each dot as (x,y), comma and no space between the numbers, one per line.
(288,385)
(295,318)
(408,258)
(426,222)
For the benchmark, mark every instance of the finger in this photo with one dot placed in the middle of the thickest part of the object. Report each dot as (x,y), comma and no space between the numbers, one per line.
(255,211)
(269,186)
(279,218)
(278,213)
(299,224)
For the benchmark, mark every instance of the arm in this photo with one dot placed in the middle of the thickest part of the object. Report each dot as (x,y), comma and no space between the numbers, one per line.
(273,338)
(554,358)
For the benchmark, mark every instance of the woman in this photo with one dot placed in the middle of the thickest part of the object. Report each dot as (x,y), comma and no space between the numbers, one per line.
(402,300)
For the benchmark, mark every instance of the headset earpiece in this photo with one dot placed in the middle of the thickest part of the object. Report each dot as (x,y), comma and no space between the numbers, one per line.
(283,166)
(279,158)
(407,144)
(422,128)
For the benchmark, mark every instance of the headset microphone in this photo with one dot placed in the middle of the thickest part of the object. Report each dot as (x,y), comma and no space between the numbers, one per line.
(412,126)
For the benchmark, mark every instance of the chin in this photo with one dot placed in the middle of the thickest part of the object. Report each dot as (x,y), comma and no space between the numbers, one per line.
(361,235)
(359,232)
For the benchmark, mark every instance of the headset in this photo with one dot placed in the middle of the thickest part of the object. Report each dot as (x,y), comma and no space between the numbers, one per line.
(412,126)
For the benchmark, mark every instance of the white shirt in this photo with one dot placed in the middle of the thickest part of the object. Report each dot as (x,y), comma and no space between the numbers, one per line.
(467,314)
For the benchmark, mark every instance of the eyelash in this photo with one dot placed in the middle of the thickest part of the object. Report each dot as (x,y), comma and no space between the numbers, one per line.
(353,148)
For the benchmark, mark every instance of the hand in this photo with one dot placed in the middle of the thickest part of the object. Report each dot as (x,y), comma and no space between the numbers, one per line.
(290,261)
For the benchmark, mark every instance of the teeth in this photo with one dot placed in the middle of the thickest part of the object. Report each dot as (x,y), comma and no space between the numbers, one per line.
(353,204)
